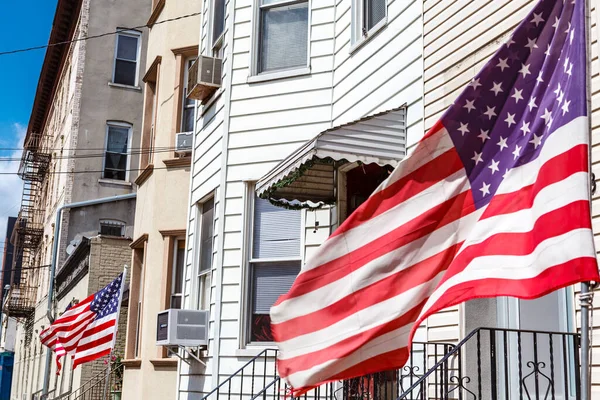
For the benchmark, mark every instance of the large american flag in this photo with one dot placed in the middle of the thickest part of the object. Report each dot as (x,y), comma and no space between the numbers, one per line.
(87,330)
(493,201)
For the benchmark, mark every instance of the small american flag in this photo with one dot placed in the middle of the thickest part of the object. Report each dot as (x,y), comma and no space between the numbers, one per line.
(87,330)
(494,201)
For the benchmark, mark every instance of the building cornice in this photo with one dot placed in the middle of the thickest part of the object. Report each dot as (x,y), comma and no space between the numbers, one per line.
(139,242)
(146,173)
(66,18)
(156,13)
(180,162)
(172,232)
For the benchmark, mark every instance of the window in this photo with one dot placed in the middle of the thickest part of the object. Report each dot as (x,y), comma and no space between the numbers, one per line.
(126,58)
(368,16)
(282,35)
(135,299)
(116,158)
(177,278)
(187,113)
(218,26)
(205,258)
(112,228)
(275,262)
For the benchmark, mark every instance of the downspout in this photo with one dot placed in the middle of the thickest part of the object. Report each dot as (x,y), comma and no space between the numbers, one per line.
(57,223)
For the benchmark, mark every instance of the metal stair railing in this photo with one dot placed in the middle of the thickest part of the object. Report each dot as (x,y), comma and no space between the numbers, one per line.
(97,387)
(258,379)
(507,364)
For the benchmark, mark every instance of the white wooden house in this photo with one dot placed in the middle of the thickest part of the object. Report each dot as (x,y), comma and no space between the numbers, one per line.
(303,115)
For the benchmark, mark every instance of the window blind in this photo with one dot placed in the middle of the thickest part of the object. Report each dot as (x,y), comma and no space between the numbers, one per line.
(206,235)
(284,37)
(271,280)
(276,232)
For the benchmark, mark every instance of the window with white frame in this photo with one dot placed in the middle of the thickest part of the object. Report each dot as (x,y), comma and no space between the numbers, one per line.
(127,53)
(275,261)
(218,27)
(205,256)
(187,112)
(367,17)
(116,159)
(177,278)
(282,37)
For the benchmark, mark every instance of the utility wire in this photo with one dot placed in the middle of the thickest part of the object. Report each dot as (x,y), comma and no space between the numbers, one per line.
(94,155)
(85,172)
(24,268)
(4,53)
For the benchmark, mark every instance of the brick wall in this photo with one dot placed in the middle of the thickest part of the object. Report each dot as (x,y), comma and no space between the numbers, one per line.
(108,256)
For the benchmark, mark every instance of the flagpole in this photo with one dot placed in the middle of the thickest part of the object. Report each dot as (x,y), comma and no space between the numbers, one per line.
(112,348)
(585,297)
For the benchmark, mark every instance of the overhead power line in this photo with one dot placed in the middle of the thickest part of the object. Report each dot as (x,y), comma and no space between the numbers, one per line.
(96,155)
(23,50)
(85,172)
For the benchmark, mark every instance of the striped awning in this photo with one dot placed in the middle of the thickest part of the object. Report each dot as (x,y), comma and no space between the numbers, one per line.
(307,177)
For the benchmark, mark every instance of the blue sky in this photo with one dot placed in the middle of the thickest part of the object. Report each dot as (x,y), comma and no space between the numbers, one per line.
(20,28)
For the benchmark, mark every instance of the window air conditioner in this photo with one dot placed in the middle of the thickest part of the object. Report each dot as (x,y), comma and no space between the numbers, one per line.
(204,78)
(187,328)
(183,143)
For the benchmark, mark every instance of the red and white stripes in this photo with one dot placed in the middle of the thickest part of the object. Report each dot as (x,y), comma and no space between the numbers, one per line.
(418,245)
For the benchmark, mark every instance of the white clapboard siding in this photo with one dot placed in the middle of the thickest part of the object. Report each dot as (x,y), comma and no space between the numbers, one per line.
(459,37)
(251,127)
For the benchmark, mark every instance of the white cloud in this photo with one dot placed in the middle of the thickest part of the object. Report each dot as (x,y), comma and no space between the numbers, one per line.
(11,186)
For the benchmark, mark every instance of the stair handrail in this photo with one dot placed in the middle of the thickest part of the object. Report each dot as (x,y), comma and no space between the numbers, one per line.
(103,381)
(263,353)
(71,391)
(453,351)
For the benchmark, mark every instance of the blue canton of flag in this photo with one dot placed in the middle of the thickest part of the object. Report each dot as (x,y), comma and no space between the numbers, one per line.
(106,301)
(534,84)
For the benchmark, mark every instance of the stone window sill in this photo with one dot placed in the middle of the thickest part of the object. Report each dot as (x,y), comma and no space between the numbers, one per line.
(127,87)
(146,173)
(164,362)
(132,363)
(114,182)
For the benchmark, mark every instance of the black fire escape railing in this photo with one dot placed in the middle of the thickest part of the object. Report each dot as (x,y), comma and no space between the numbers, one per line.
(507,364)
(259,379)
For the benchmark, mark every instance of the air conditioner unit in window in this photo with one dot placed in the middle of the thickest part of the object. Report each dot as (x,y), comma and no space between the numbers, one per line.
(183,143)
(204,78)
(187,328)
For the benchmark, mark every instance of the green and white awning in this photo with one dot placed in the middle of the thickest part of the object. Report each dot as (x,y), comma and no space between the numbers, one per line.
(307,177)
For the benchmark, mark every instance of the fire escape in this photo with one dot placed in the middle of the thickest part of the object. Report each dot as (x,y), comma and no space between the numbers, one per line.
(28,232)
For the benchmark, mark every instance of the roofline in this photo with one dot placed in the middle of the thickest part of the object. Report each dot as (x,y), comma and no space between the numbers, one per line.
(66,17)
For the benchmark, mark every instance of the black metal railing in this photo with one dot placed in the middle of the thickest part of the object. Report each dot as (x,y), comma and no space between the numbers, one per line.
(259,379)
(507,364)
(102,386)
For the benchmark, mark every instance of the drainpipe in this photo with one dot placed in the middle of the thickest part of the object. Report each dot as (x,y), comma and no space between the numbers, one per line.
(57,224)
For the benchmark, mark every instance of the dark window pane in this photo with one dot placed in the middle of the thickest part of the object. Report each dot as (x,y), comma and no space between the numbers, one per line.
(115,161)
(128,46)
(188,119)
(219,19)
(114,174)
(375,12)
(206,236)
(284,37)
(125,72)
(270,281)
(179,263)
(260,330)
(111,230)
(176,302)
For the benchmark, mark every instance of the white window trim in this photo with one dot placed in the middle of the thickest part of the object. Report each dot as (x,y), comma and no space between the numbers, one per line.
(192,106)
(174,272)
(197,288)
(215,44)
(129,135)
(358,39)
(256,76)
(130,33)
(247,347)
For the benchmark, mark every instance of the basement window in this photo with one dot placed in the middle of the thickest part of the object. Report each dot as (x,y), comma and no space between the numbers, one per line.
(112,228)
